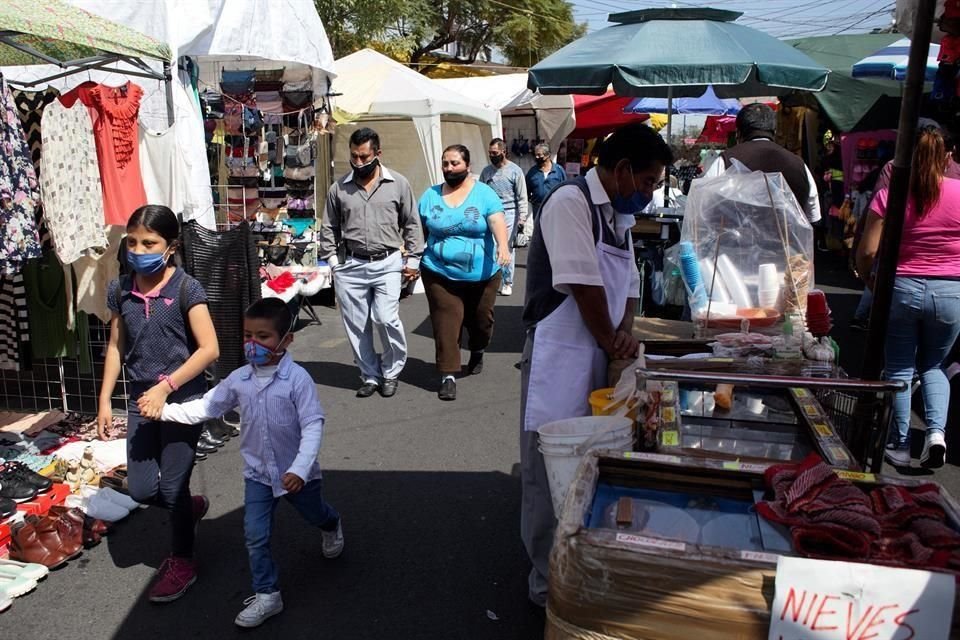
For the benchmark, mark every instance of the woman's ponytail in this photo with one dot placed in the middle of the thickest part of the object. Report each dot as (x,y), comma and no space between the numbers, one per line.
(929,166)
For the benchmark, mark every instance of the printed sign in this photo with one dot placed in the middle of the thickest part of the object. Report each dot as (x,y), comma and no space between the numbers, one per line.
(656,543)
(824,600)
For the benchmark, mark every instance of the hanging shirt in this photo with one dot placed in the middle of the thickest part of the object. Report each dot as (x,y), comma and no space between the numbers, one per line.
(118,154)
(459,243)
(70,182)
(19,190)
(162,170)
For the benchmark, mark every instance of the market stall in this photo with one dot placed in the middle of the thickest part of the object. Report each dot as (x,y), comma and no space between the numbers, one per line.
(415,116)
(527,117)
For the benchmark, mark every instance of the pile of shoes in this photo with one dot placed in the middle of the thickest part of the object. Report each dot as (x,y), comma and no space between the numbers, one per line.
(19,484)
(17,579)
(103,504)
(214,435)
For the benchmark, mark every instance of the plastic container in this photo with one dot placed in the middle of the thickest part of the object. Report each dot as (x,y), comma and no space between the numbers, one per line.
(600,404)
(564,443)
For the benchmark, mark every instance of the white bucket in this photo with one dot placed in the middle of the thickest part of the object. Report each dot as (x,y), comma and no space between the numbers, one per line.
(564,443)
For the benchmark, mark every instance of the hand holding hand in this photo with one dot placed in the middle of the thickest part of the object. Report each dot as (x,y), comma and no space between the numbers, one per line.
(409,275)
(292,483)
(152,401)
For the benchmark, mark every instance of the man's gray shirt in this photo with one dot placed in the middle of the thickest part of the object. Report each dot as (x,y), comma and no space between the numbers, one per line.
(383,219)
(510,183)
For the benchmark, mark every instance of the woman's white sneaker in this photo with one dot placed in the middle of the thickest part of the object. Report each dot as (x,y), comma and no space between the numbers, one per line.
(934,450)
(259,607)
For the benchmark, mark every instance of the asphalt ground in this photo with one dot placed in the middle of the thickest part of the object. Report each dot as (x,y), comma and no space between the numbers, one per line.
(429,493)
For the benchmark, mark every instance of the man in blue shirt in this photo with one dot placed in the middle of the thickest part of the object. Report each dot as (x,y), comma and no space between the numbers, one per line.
(541,179)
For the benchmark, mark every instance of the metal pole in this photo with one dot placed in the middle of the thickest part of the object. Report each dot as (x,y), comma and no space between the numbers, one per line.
(899,190)
(168,86)
(666,170)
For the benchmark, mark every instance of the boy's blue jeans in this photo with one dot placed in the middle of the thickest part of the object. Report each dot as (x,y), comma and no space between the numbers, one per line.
(259,505)
(924,324)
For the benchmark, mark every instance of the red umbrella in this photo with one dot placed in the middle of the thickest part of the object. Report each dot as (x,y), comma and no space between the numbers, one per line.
(599,115)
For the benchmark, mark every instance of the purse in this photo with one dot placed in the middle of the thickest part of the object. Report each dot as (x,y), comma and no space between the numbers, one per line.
(301,203)
(244,171)
(250,182)
(237,82)
(299,173)
(296,100)
(297,74)
(298,154)
(299,186)
(267,75)
(302,214)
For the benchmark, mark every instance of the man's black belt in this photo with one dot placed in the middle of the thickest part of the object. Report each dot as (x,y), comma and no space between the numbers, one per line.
(371,257)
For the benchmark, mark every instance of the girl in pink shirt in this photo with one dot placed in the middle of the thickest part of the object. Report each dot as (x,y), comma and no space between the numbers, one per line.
(925,310)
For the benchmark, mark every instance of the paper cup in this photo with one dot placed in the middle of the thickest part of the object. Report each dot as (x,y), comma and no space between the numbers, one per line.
(769,279)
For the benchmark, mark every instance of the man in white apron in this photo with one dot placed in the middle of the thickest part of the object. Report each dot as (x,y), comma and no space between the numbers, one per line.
(582,290)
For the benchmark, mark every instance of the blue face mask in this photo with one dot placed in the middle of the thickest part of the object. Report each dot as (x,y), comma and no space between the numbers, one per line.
(635,203)
(257,353)
(146,263)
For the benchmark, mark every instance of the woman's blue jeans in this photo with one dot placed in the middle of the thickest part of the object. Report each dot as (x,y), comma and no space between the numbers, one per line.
(924,324)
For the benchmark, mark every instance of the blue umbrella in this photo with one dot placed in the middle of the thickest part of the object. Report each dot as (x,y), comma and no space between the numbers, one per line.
(891,62)
(707,104)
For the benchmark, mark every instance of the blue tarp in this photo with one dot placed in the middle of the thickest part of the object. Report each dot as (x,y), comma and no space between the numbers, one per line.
(707,104)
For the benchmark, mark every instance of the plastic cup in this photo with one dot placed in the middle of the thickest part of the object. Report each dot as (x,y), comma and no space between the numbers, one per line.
(768,277)
(768,297)
(817,303)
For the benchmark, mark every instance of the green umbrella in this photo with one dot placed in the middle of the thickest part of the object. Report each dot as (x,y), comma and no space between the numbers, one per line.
(678,52)
(34,31)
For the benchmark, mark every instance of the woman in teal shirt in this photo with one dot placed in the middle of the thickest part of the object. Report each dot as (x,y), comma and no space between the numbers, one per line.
(466,244)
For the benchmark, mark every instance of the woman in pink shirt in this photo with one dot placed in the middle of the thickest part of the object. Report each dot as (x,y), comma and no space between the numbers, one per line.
(925,310)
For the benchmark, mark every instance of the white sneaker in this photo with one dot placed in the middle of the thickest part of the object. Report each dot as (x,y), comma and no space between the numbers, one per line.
(120,499)
(506,290)
(102,508)
(934,450)
(14,586)
(259,607)
(332,541)
(29,570)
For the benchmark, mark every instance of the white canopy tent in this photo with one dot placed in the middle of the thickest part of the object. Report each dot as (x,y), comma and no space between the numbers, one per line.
(414,115)
(524,112)
(220,34)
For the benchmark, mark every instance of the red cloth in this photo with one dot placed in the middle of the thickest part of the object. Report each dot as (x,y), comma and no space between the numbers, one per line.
(832,518)
(599,115)
(717,130)
(282,282)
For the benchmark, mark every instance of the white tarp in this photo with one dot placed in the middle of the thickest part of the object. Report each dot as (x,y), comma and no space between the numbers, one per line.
(219,34)
(404,106)
(510,96)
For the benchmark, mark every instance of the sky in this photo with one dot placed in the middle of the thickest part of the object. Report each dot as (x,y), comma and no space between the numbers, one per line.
(781,18)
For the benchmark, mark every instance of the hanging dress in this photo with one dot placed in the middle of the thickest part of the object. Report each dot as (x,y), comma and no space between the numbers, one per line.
(19,191)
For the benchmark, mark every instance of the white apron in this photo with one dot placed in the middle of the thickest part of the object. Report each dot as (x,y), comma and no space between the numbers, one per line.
(566,364)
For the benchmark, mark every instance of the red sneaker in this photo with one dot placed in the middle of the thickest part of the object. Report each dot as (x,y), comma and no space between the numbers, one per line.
(174,578)
(200,506)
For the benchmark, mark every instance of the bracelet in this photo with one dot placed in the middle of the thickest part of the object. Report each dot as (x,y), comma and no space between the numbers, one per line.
(165,378)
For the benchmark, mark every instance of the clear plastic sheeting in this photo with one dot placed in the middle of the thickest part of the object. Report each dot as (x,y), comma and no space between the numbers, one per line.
(746,251)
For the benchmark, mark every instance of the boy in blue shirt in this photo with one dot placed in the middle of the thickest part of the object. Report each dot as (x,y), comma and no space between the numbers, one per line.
(280,441)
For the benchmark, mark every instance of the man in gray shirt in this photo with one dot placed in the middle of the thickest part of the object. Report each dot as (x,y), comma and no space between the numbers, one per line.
(370,216)
(508,180)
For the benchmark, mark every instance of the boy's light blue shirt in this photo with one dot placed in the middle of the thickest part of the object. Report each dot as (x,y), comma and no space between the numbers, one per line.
(282,423)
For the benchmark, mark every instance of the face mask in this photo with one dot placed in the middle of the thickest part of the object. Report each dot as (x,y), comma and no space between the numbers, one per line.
(455,179)
(365,170)
(257,353)
(495,158)
(540,161)
(146,263)
(638,201)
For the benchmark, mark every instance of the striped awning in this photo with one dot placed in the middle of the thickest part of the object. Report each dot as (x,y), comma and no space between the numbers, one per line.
(891,62)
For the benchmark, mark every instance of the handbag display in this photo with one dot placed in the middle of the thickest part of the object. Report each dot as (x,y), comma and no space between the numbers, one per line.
(299,173)
(237,82)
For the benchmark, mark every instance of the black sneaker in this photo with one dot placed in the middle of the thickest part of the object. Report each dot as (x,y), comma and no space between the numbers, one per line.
(41,483)
(475,365)
(7,508)
(15,488)
(367,389)
(389,388)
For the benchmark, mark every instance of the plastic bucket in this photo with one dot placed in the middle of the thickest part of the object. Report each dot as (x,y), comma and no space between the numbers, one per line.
(600,404)
(563,444)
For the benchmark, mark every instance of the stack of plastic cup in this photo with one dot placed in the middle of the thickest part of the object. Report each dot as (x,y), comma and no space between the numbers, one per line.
(769,288)
(690,270)
(818,313)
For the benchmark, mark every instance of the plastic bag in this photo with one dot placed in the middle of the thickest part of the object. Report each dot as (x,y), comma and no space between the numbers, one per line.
(748,246)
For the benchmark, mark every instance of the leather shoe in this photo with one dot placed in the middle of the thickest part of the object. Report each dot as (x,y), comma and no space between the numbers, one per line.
(28,476)
(367,389)
(38,540)
(205,447)
(448,390)
(389,388)
(199,457)
(69,523)
(209,438)
(475,365)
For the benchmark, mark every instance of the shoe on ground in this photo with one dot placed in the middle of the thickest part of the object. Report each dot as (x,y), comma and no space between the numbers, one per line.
(200,505)
(199,457)
(859,325)
(14,585)
(30,570)
(205,447)
(173,579)
(448,390)
(332,541)
(103,508)
(119,499)
(367,389)
(506,290)
(208,437)
(259,607)
(389,388)
(934,450)
(475,364)
(898,455)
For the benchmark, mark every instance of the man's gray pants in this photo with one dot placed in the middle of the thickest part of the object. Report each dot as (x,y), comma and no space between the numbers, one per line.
(537,520)
(368,294)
